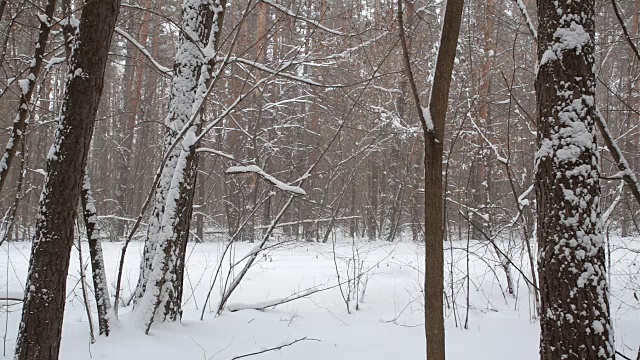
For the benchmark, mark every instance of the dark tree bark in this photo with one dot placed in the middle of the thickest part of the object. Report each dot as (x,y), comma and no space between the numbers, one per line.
(43,310)
(27,88)
(434,189)
(433,120)
(575,321)
(3,5)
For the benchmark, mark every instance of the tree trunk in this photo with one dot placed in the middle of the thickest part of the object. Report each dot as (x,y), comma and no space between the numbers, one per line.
(164,260)
(575,321)
(27,88)
(433,186)
(43,310)
(3,5)
(133,78)
(103,303)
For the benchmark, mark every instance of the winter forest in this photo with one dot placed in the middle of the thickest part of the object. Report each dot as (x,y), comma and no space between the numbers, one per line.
(319,179)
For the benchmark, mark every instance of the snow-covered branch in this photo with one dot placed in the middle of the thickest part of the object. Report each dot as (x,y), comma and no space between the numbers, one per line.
(163,69)
(275,182)
(215,152)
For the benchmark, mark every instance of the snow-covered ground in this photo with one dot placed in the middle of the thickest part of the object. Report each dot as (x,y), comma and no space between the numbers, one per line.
(388,323)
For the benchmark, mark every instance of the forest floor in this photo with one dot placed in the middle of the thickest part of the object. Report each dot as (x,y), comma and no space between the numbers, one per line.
(388,323)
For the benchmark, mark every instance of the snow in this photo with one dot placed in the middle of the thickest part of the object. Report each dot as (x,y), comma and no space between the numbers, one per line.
(389,324)
(215,152)
(527,19)
(24,86)
(426,113)
(277,183)
(53,62)
(572,38)
(44,19)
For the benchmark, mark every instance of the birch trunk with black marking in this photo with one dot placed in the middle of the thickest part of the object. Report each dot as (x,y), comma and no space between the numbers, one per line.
(159,292)
(103,303)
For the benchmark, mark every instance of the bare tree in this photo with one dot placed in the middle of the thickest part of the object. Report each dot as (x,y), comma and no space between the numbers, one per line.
(433,120)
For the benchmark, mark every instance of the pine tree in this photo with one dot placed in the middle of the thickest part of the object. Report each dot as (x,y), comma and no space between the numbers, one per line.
(45,291)
(575,321)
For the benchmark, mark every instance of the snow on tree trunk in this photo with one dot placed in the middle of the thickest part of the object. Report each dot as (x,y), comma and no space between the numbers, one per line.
(45,291)
(27,88)
(97,261)
(160,282)
(575,321)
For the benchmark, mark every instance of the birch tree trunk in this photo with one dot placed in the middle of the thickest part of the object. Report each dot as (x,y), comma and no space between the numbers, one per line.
(160,283)
(43,310)
(574,321)
(103,303)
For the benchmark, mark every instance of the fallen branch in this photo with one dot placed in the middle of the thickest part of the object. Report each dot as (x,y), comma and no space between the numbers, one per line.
(279,347)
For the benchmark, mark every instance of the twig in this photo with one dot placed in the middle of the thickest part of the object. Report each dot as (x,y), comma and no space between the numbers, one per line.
(426,126)
(624,29)
(11,299)
(280,347)
(624,356)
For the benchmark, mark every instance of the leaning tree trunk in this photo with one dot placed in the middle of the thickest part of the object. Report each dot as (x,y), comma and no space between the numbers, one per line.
(103,303)
(43,310)
(160,285)
(186,67)
(27,88)
(575,321)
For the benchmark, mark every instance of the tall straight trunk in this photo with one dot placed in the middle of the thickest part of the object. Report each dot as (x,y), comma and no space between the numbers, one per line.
(485,173)
(133,77)
(165,251)
(123,131)
(482,178)
(262,42)
(433,125)
(43,310)
(27,88)
(630,144)
(372,201)
(575,322)
(3,6)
